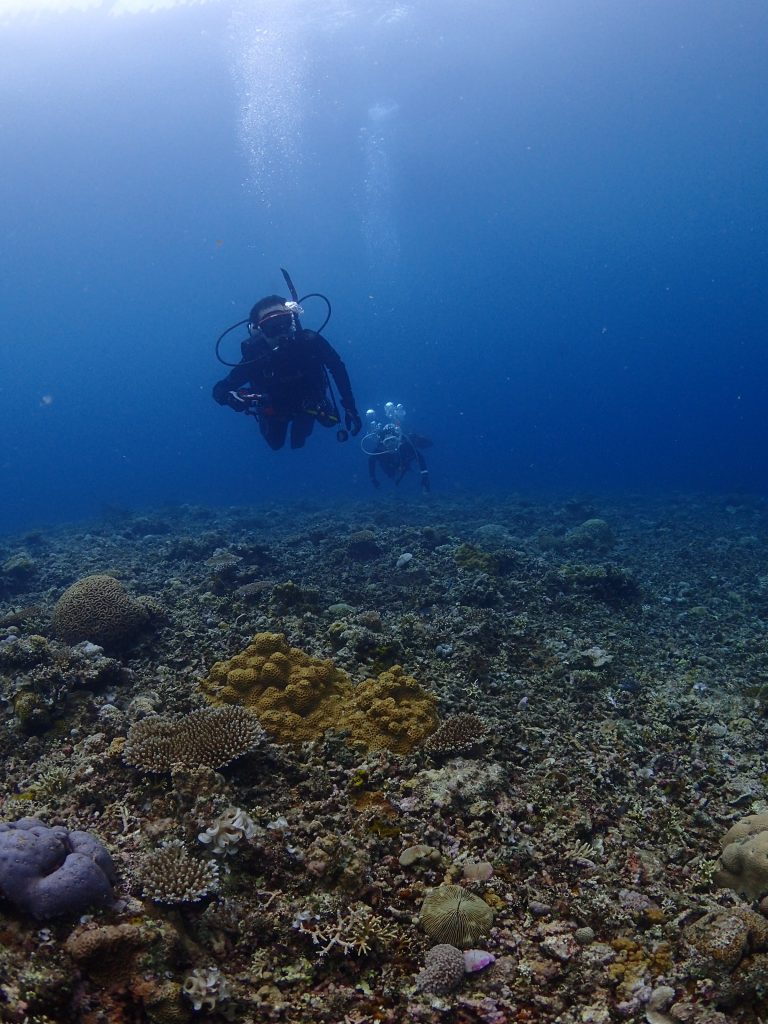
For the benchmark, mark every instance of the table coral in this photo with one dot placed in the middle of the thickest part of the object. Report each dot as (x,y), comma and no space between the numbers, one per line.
(210,737)
(459,734)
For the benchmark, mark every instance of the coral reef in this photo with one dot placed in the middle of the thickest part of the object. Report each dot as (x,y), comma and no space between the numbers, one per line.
(603,725)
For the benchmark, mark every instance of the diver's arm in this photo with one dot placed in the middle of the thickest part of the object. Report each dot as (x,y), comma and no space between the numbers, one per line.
(333,361)
(237,377)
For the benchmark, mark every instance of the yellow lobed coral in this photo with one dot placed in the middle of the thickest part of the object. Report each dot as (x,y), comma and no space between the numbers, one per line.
(297,697)
(394,712)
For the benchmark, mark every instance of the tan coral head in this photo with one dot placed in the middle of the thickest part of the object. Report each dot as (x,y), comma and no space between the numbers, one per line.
(743,866)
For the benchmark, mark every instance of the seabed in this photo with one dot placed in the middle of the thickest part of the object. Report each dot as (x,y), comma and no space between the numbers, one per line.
(597,671)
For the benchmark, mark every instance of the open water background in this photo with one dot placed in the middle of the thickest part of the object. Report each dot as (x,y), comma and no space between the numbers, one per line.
(542,226)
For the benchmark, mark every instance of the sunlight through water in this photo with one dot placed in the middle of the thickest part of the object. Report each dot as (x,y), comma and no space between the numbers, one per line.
(115,7)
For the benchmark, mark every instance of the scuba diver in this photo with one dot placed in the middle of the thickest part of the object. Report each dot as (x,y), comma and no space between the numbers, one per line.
(390,449)
(282,378)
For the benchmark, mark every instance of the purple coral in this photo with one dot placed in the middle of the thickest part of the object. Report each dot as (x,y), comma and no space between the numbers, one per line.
(52,872)
(477,960)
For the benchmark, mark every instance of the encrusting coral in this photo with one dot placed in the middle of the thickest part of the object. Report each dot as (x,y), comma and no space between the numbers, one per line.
(208,738)
(99,609)
(297,697)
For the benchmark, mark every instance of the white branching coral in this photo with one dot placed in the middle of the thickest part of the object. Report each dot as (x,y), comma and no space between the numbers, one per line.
(227,831)
(357,931)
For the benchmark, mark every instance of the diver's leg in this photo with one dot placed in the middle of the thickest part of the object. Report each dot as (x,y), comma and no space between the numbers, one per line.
(301,428)
(273,430)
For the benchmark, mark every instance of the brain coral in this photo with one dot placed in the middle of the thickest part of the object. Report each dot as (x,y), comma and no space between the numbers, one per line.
(98,608)
(451,914)
(297,697)
(209,738)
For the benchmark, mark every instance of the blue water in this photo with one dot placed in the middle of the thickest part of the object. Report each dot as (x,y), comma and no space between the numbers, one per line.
(542,226)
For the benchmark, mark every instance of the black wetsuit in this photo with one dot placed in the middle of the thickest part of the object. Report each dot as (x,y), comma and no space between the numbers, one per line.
(395,464)
(291,384)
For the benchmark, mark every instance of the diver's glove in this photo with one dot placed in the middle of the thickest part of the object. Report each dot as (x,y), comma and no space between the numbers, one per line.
(352,421)
(239,401)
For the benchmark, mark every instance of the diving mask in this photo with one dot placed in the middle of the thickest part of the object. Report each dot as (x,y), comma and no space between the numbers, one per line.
(278,323)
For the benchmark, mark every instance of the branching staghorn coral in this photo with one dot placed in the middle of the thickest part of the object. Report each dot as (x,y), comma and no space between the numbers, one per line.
(355,931)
